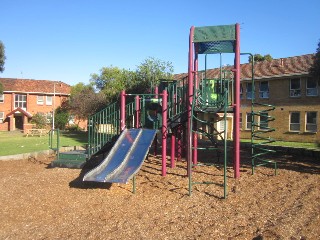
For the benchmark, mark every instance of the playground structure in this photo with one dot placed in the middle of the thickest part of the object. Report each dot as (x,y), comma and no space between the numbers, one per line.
(186,110)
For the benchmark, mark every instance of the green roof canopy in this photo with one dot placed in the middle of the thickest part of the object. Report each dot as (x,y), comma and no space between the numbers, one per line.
(215,39)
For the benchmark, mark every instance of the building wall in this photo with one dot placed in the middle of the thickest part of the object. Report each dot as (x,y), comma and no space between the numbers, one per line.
(279,96)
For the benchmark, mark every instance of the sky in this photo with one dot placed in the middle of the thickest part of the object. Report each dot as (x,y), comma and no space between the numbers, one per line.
(68,40)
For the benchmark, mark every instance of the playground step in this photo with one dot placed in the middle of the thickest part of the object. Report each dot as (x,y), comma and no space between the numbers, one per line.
(72,159)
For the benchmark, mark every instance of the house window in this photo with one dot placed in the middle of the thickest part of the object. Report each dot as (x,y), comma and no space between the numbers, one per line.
(20,101)
(1,117)
(295,121)
(241,92)
(49,117)
(312,87)
(250,93)
(264,121)
(249,121)
(311,121)
(40,100)
(240,121)
(295,87)
(264,89)
(1,98)
(49,100)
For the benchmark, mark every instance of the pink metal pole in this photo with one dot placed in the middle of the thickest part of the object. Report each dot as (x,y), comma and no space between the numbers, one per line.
(195,135)
(122,110)
(236,141)
(179,143)
(164,131)
(190,95)
(137,123)
(173,150)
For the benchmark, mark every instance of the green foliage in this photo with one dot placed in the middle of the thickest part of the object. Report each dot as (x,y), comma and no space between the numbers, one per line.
(152,70)
(73,128)
(260,58)
(2,56)
(1,88)
(39,119)
(61,118)
(315,69)
(85,102)
(112,80)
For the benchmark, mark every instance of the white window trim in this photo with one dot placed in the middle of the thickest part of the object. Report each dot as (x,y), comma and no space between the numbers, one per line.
(48,102)
(251,93)
(316,88)
(263,94)
(1,117)
(18,103)
(311,124)
(295,92)
(39,101)
(247,128)
(294,123)
(2,101)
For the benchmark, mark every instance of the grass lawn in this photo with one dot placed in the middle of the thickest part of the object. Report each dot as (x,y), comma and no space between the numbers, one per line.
(12,143)
(288,144)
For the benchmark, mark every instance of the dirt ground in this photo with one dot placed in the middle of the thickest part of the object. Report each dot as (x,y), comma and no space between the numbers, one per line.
(38,202)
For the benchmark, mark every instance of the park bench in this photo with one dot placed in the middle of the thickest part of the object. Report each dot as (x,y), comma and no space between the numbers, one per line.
(36,132)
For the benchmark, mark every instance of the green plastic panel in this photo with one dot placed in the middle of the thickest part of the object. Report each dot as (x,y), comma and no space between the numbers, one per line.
(214,33)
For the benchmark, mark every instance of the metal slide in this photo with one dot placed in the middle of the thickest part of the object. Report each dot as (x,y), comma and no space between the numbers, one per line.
(125,158)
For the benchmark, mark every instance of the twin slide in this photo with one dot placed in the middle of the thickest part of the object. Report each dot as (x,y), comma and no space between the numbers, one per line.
(125,158)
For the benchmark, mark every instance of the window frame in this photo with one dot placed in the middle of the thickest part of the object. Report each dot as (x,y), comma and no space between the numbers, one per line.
(2,118)
(312,124)
(316,88)
(21,102)
(40,102)
(290,122)
(48,102)
(249,94)
(248,116)
(295,92)
(262,93)
(1,98)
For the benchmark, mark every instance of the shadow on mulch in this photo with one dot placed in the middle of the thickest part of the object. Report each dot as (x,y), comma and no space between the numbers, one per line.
(91,164)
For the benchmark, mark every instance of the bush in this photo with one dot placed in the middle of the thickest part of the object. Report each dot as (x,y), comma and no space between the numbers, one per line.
(61,118)
(74,128)
(39,119)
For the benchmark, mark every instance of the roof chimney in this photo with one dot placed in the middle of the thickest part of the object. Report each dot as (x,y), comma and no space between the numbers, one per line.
(281,62)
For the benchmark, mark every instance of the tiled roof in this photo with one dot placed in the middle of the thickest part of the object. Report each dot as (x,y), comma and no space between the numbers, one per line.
(34,86)
(298,65)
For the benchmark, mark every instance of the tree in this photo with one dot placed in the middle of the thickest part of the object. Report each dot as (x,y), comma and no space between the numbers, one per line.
(61,117)
(39,119)
(84,101)
(112,80)
(2,56)
(152,70)
(315,69)
(259,58)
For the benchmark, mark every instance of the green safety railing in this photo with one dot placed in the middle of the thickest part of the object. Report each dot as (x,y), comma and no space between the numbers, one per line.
(54,140)
(211,96)
(260,130)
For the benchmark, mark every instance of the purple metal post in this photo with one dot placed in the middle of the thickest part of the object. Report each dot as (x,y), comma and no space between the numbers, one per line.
(173,150)
(190,95)
(195,135)
(122,110)
(164,131)
(236,141)
(137,123)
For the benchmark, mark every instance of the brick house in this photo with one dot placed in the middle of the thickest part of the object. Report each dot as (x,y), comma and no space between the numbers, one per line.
(286,84)
(22,98)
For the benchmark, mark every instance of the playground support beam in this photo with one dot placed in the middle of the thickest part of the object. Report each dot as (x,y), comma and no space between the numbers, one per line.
(236,143)
(122,110)
(164,131)
(190,96)
(137,123)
